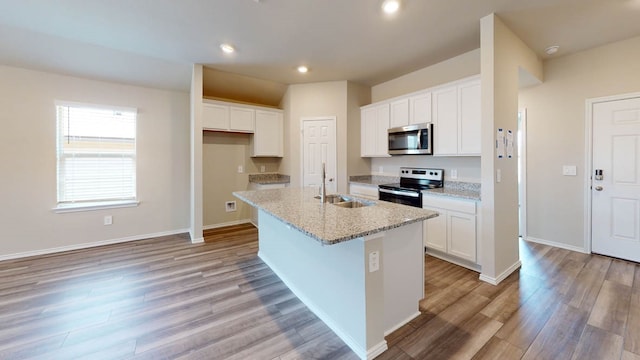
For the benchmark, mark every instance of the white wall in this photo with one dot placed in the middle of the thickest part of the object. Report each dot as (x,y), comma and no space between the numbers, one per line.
(28,180)
(556,134)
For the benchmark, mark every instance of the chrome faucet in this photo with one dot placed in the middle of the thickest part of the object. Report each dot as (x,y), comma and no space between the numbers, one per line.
(323,185)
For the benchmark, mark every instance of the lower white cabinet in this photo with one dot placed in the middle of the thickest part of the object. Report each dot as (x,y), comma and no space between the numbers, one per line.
(454,230)
(365,191)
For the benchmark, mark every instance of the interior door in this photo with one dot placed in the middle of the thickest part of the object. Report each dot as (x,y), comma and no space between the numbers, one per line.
(616,194)
(319,146)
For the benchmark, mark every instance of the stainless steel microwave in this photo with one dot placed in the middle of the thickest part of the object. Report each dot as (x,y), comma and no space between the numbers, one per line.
(411,140)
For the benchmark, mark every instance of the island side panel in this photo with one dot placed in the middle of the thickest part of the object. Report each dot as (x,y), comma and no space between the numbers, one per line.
(329,279)
(403,275)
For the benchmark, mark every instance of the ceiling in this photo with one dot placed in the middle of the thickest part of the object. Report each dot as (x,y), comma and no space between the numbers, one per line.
(154,42)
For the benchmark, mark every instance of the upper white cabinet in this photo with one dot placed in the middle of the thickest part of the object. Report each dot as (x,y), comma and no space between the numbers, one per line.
(456,118)
(267,140)
(420,108)
(374,120)
(411,109)
(399,115)
(223,117)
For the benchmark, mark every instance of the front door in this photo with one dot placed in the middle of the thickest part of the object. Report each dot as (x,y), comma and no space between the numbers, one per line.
(319,146)
(615,185)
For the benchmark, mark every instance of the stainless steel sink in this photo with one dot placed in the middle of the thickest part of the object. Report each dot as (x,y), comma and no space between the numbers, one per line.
(334,198)
(353,204)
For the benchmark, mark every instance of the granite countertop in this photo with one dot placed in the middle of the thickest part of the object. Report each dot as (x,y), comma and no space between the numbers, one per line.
(373,180)
(270,178)
(328,223)
(457,189)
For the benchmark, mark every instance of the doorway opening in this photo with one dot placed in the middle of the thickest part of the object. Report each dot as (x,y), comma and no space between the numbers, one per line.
(522,173)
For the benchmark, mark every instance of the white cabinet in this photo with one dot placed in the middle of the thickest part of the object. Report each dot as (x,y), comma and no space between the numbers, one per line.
(409,110)
(420,108)
(215,117)
(221,117)
(399,115)
(267,140)
(454,231)
(457,117)
(374,121)
(365,191)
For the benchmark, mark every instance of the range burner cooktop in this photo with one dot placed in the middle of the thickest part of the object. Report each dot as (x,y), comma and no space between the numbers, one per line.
(417,179)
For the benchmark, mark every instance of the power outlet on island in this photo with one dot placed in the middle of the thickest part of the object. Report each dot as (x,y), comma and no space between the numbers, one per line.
(374,261)
(108,220)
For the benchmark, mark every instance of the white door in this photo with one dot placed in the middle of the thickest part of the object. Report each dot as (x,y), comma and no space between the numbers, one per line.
(319,146)
(615,213)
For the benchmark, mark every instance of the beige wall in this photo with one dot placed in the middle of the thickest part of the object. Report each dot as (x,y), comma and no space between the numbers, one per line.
(314,100)
(357,96)
(456,68)
(28,181)
(503,56)
(556,135)
(222,153)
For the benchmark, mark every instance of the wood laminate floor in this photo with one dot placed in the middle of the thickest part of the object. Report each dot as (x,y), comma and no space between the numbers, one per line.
(165,298)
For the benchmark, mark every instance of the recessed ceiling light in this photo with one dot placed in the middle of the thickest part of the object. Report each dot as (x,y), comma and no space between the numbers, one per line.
(303,69)
(552,49)
(227,48)
(390,6)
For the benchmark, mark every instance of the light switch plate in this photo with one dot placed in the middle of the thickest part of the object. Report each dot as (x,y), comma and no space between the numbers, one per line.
(374,261)
(569,170)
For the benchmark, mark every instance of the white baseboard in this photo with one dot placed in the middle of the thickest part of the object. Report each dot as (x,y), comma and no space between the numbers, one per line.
(377,350)
(502,276)
(360,351)
(401,323)
(229,223)
(91,244)
(557,244)
(454,260)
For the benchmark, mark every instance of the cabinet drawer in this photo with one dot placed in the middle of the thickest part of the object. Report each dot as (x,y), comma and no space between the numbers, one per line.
(442,202)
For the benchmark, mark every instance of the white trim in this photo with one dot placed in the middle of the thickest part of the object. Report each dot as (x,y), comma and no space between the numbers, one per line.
(502,276)
(523,167)
(334,120)
(328,320)
(557,244)
(588,160)
(91,206)
(90,245)
(453,259)
(377,349)
(228,223)
(402,323)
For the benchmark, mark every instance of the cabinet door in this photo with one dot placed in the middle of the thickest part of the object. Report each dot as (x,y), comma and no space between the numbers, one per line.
(462,235)
(382,135)
(267,138)
(445,119)
(215,117)
(366,191)
(368,125)
(399,113)
(469,119)
(241,119)
(435,231)
(420,109)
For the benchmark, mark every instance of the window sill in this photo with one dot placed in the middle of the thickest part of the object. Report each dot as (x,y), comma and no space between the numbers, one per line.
(98,205)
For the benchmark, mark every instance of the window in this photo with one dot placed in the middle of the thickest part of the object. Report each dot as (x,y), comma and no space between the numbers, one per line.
(96,151)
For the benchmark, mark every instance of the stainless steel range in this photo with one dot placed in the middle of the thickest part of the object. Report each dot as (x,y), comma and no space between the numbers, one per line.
(412,182)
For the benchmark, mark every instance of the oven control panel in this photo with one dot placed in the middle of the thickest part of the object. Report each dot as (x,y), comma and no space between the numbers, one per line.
(422,173)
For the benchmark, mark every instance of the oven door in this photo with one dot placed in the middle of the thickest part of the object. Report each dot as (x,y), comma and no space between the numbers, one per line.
(410,198)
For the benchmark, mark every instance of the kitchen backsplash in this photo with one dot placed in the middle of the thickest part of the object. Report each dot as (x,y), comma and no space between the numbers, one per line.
(467,167)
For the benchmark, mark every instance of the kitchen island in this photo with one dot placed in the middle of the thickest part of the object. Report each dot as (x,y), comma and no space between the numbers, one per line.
(360,270)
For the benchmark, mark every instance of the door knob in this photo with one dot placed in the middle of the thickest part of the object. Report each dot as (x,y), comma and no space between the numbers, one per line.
(331,179)
(598,188)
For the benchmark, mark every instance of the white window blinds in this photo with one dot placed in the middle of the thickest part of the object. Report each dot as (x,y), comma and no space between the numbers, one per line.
(96,151)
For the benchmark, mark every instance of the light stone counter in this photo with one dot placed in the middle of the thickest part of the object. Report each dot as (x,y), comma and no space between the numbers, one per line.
(328,223)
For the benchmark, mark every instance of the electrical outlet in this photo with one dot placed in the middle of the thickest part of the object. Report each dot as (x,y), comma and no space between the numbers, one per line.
(108,220)
(498,175)
(380,168)
(374,261)
(262,168)
(454,174)
(230,206)
(240,169)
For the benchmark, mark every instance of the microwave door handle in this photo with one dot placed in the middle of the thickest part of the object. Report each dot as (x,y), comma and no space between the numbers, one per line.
(419,139)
